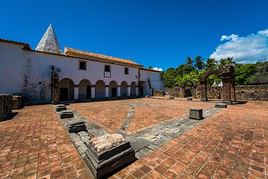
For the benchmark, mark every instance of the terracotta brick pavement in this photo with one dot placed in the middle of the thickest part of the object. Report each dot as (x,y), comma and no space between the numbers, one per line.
(231,144)
(154,111)
(111,114)
(34,144)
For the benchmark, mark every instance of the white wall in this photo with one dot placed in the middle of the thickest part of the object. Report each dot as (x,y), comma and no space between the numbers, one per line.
(155,79)
(28,72)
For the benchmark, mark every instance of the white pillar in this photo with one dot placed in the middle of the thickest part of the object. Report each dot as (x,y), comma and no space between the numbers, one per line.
(137,91)
(76,93)
(92,92)
(107,91)
(128,91)
(118,91)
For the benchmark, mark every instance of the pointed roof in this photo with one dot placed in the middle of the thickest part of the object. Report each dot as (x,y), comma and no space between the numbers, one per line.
(49,42)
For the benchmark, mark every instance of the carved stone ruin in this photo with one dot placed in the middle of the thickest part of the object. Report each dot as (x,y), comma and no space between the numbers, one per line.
(108,153)
(228,80)
(5,106)
(76,126)
(220,105)
(66,114)
(54,86)
(196,114)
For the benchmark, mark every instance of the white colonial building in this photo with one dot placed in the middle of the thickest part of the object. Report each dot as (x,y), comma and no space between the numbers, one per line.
(81,75)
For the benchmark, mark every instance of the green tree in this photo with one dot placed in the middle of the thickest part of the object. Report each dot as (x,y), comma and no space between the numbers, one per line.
(169,77)
(199,63)
(189,61)
(243,72)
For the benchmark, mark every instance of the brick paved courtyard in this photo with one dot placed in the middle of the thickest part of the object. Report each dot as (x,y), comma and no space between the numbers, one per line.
(147,112)
(231,143)
(34,144)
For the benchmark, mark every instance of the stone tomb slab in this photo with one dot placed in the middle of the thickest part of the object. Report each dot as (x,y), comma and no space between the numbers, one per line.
(220,105)
(61,107)
(76,126)
(66,114)
(103,163)
(196,114)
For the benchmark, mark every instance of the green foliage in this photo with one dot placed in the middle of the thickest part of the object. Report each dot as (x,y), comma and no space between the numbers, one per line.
(260,74)
(199,63)
(169,77)
(190,73)
(243,72)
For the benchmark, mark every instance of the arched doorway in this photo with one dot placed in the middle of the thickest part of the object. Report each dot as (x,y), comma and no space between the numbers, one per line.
(84,91)
(100,89)
(66,89)
(133,89)
(113,89)
(124,89)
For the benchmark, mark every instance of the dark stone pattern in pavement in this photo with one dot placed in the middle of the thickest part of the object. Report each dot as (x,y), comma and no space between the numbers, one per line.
(230,144)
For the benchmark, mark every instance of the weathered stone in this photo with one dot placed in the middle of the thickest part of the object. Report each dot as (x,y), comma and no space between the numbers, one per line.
(61,107)
(76,126)
(66,114)
(106,142)
(104,163)
(220,105)
(196,114)
(5,106)
(189,98)
(17,102)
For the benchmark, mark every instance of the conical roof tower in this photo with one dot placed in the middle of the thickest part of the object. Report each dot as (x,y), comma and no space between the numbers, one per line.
(49,42)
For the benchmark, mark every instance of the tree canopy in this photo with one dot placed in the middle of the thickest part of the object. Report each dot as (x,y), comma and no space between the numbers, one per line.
(189,73)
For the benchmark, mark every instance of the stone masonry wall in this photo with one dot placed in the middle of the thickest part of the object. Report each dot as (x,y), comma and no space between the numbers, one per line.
(243,92)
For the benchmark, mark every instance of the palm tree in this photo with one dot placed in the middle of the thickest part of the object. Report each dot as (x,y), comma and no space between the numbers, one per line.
(189,61)
(199,63)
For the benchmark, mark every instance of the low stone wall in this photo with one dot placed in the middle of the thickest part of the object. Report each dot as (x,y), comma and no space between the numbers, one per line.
(243,92)
(5,106)
(252,92)
(180,92)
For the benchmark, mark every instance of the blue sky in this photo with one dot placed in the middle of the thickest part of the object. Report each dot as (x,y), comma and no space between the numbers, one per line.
(151,32)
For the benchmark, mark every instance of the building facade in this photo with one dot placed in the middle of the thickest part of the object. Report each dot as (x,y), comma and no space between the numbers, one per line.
(81,75)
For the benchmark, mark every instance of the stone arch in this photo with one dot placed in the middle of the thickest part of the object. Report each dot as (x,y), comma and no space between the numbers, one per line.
(123,89)
(133,89)
(113,89)
(100,89)
(66,89)
(84,89)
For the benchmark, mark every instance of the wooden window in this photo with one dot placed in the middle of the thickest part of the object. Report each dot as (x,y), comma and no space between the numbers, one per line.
(82,65)
(126,71)
(107,68)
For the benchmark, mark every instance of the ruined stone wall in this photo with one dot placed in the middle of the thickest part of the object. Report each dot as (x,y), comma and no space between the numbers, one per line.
(180,92)
(243,92)
(252,92)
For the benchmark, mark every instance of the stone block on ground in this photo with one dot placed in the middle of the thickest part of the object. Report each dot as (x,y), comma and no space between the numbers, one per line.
(76,126)
(108,153)
(196,114)
(61,107)
(220,105)
(17,102)
(66,114)
(5,106)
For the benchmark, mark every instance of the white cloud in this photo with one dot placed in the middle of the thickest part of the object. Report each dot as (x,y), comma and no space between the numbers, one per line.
(157,69)
(229,37)
(248,49)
